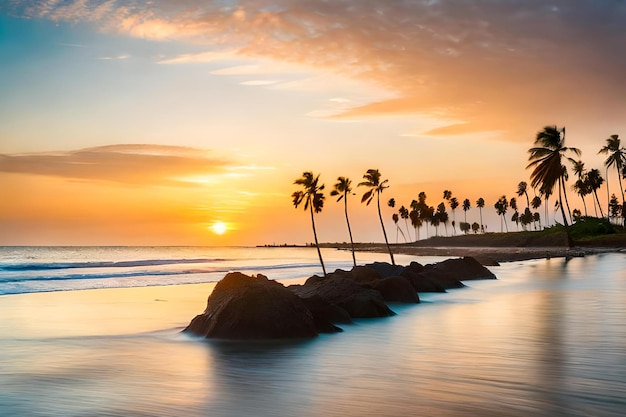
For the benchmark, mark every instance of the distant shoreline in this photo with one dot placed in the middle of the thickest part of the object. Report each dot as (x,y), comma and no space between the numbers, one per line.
(492,248)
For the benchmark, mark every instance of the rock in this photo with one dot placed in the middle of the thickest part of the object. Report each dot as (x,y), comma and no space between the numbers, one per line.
(386,269)
(396,289)
(326,315)
(422,282)
(244,307)
(364,274)
(358,301)
(440,278)
(465,269)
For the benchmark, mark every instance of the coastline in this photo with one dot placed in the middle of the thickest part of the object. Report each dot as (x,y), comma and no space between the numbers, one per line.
(491,256)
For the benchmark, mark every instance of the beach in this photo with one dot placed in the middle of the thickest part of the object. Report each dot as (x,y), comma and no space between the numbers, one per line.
(544,339)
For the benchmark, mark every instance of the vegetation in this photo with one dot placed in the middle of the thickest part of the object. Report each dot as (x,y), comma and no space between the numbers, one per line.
(375,188)
(546,159)
(313,199)
(343,189)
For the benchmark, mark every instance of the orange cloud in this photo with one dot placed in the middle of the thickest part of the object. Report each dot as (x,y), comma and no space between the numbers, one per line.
(135,164)
(480,65)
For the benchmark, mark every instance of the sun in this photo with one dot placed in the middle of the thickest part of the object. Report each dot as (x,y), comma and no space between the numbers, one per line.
(219,228)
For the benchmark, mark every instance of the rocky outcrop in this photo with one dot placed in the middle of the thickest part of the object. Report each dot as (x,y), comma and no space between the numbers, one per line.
(337,290)
(396,289)
(245,307)
(464,269)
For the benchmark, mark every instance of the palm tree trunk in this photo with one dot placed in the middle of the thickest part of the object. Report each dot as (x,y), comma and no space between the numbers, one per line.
(561,203)
(480,209)
(584,205)
(380,216)
(598,200)
(408,233)
(317,245)
(345,206)
(608,196)
(619,179)
(569,211)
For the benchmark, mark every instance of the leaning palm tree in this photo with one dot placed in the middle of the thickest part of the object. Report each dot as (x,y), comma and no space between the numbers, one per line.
(343,188)
(546,160)
(616,158)
(313,199)
(581,187)
(376,187)
(480,203)
(404,214)
(535,203)
(595,181)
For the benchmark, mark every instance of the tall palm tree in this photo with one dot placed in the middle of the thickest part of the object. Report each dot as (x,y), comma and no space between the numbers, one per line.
(454,203)
(313,199)
(466,206)
(594,182)
(516,216)
(501,207)
(582,189)
(535,203)
(616,158)
(376,187)
(416,221)
(404,214)
(522,190)
(343,188)
(447,194)
(480,203)
(545,159)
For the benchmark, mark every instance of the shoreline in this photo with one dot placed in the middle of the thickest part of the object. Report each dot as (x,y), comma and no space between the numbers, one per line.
(492,256)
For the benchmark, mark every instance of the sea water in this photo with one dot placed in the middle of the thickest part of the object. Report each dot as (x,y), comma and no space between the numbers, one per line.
(548,338)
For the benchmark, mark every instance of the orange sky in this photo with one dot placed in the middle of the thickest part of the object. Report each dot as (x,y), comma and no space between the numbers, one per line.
(145,123)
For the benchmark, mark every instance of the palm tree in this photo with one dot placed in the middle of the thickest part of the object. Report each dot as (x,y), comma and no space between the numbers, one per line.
(454,203)
(404,214)
(616,158)
(416,221)
(522,190)
(447,194)
(594,181)
(343,188)
(515,218)
(582,189)
(466,206)
(442,216)
(535,203)
(545,159)
(376,187)
(313,199)
(480,203)
(501,207)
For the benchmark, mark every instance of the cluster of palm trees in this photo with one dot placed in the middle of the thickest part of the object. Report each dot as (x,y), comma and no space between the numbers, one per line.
(549,172)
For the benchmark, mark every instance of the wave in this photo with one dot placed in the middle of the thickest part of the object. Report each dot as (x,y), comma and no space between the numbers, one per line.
(103,264)
(146,274)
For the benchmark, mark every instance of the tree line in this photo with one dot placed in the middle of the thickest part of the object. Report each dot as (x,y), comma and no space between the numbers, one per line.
(547,159)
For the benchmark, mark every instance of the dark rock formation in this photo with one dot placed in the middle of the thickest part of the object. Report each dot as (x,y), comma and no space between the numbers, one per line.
(396,289)
(464,269)
(326,315)
(385,269)
(335,289)
(244,307)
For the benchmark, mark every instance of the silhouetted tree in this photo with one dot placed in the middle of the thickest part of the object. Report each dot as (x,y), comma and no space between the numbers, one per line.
(480,203)
(343,188)
(466,206)
(545,159)
(501,207)
(313,199)
(404,214)
(475,227)
(595,181)
(522,189)
(376,187)
(616,158)
(454,203)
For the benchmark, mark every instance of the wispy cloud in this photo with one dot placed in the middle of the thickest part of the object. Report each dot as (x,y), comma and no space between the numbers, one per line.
(114,58)
(483,65)
(133,164)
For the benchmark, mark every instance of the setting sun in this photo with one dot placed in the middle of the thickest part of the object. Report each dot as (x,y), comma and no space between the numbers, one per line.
(219,228)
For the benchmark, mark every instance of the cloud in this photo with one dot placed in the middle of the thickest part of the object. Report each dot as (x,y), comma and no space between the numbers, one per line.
(259,82)
(132,164)
(114,58)
(484,65)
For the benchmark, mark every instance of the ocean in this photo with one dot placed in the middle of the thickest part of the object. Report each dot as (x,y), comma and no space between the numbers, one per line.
(97,332)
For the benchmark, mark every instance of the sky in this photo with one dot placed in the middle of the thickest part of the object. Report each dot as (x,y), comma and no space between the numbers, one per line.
(149,122)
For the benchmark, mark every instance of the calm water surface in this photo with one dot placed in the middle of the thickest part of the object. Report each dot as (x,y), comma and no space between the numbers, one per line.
(546,339)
